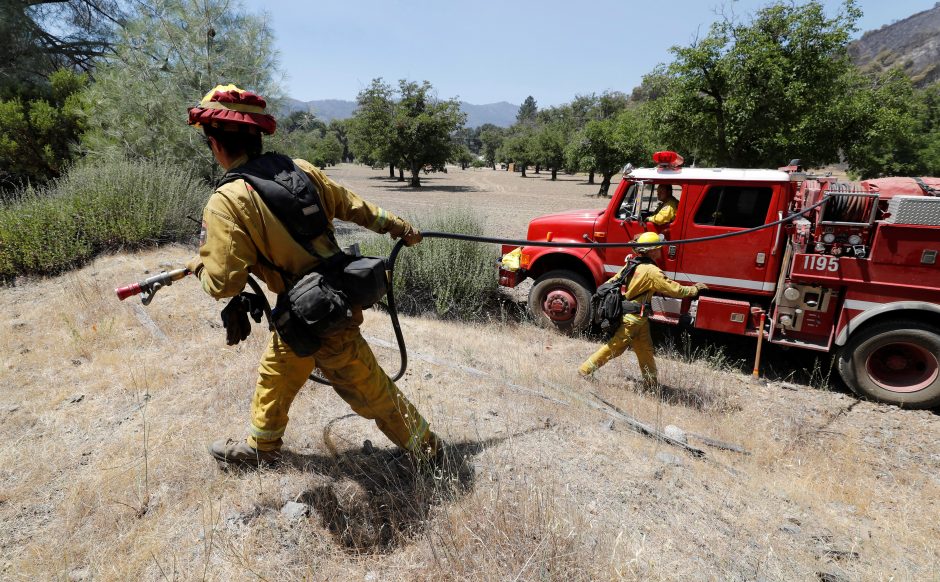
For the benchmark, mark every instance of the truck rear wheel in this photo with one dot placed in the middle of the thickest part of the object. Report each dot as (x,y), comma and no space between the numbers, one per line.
(561,300)
(897,362)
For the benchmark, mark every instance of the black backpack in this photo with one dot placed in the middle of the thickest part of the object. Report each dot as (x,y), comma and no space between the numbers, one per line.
(289,193)
(607,303)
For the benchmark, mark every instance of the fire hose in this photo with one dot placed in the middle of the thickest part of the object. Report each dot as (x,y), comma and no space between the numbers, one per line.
(148,287)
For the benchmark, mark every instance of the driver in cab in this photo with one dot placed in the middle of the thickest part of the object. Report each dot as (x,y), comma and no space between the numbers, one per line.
(665,213)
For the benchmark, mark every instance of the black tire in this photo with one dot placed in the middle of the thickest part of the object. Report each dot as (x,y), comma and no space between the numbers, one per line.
(570,295)
(897,362)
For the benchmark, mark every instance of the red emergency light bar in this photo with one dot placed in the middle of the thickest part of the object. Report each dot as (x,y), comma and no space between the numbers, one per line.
(667,158)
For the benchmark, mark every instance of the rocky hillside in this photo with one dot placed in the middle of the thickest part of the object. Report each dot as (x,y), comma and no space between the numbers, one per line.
(912,44)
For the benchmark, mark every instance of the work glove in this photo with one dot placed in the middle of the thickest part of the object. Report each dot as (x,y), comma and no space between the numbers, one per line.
(699,287)
(407,233)
(412,236)
(195,265)
(235,316)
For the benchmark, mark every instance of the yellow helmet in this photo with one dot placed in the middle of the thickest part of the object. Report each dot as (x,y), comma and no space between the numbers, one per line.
(648,239)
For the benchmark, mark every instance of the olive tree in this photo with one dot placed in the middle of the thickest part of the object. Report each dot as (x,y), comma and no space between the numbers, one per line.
(424,128)
(370,126)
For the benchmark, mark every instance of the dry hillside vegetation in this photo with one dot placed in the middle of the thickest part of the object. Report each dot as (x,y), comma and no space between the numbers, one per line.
(106,409)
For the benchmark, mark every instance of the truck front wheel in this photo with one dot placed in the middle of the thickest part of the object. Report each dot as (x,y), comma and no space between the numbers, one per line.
(897,362)
(561,299)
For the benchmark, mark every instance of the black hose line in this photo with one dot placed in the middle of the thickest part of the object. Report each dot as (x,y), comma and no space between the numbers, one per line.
(393,256)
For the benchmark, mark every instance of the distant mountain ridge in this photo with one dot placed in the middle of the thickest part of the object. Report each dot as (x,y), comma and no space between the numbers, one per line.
(912,44)
(502,113)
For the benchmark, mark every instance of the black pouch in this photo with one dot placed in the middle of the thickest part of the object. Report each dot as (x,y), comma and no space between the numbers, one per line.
(632,307)
(311,309)
(365,281)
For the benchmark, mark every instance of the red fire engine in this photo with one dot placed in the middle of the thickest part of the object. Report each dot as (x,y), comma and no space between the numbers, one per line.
(858,275)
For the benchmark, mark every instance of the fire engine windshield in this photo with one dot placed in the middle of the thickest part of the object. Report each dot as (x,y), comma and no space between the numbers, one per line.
(626,206)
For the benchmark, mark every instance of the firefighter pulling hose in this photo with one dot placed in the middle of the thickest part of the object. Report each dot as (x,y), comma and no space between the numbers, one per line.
(271,217)
(149,286)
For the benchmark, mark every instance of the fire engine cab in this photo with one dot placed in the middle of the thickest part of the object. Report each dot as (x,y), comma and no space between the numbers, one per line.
(858,274)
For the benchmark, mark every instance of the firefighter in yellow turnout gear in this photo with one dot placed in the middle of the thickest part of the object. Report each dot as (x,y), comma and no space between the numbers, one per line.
(242,235)
(668,205)
(634,332)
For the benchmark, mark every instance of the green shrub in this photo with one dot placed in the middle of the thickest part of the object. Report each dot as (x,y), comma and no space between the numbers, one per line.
(96,208)
(451,279)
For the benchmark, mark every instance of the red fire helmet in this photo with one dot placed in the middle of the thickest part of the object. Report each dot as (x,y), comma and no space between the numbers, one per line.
(227,105)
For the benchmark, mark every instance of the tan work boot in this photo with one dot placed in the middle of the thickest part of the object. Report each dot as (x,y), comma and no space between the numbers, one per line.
(586,371)
(235,452)
(441,463)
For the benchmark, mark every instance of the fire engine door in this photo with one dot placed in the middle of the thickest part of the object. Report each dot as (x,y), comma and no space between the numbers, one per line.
(621,227)
(746,263)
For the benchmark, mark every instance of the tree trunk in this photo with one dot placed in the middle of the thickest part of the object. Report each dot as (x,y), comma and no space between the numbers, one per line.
(523,170)
(415,175)
(591,177)
(391,170)
(554,174)
(401,174)
(494,165)
(537,168)
(605,184)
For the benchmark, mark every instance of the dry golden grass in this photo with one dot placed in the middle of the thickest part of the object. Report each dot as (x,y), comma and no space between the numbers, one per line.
(104,473)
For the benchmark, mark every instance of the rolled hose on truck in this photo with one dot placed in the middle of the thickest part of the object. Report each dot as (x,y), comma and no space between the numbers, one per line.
(142,287)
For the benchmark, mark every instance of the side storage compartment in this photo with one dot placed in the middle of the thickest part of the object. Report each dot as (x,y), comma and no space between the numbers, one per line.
(725,315)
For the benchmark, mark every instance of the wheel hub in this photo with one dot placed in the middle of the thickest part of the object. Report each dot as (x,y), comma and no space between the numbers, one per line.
(902,367)
(560,305)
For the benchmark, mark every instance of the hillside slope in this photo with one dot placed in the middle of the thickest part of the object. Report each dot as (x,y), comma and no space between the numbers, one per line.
(912,44)
(107,407)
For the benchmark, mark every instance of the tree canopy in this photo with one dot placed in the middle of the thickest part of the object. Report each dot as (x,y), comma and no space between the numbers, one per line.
(370,126)
(37,135)
(38,37)
(527,111)
(167,56)
(408,127)
(424,128)
(752,94)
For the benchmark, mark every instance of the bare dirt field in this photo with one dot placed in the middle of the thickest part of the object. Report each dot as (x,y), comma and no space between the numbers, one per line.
(506,200)
(106,409)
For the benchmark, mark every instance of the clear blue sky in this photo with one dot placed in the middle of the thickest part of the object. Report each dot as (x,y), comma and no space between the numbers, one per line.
(484,51)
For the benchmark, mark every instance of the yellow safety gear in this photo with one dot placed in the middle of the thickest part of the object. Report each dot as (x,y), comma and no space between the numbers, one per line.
(634,332)
(347,361)
(239,229)
(240,235)
(646,238)
(666,212)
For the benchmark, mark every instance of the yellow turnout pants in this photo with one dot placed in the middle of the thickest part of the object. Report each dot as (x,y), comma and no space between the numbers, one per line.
(633,332)
(347,361)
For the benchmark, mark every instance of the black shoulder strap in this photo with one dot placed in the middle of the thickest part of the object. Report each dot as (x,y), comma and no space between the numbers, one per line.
(289,193)
(634,263)
(928,189)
